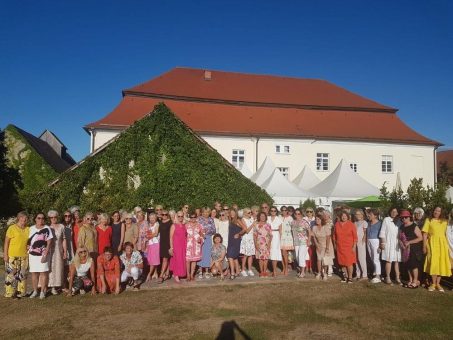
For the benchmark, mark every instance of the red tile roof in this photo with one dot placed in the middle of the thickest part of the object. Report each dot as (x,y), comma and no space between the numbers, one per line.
(236,119)
(253,89)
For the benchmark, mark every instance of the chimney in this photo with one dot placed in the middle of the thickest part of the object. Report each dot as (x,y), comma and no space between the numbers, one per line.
(207,75)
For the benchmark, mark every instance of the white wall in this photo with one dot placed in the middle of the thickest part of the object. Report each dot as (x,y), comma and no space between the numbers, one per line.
(102,136)
(409,160)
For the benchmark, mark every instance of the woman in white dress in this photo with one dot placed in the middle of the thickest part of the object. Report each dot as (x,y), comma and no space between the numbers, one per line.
(222,226)
(247,243)
(286,240)
(39,242)
(390,246)
(58,253)
(450,238)
(276,225)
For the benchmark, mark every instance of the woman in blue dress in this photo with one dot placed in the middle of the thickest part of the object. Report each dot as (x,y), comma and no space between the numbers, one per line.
(209,230)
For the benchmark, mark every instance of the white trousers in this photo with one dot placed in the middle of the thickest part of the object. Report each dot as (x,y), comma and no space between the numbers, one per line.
(301,255)
(373,250)
(135,274)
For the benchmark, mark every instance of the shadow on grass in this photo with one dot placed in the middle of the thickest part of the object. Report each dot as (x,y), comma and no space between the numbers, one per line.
(227,331)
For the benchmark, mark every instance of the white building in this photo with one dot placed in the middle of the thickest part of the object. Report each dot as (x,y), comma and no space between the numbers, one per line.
(295,122)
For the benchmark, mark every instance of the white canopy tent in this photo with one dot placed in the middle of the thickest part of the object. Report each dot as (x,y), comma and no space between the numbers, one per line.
(264,172)
(449,194)
(283,191)
(306,179)
(245,170)
(342,184)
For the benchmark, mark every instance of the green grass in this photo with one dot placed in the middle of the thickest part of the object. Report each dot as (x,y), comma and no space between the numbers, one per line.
(287,310)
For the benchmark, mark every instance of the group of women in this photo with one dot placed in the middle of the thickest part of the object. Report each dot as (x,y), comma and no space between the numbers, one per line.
(105,254)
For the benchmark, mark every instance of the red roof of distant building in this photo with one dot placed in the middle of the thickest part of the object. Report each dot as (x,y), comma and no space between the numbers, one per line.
(445,156)
(242,104)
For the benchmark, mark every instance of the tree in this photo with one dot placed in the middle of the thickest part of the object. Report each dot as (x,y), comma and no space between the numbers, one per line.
(416,193)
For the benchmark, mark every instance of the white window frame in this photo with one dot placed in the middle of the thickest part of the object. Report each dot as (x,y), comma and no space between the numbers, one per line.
(386,163)
(354,167)
(283,149)
(284,170)
(321,158)
(236,156)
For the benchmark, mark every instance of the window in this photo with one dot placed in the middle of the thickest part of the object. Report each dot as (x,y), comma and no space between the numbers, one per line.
(322,161)
(387,164)
(238,158)
(353,166)
(282,149)
(284,171)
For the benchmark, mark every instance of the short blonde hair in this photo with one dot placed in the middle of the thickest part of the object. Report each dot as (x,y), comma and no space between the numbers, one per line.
(52,213)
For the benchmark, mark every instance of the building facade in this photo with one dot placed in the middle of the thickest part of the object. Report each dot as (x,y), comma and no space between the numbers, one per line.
(295,122)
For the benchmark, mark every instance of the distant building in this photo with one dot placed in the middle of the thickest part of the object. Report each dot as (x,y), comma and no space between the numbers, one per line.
(47,145)
(295,122)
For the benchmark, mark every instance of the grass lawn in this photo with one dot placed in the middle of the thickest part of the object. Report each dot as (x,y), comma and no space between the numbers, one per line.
(287,310)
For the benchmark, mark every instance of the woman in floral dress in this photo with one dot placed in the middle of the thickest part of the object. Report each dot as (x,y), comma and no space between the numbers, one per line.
(286,239)
(300,228)
(218,257)
(262,234)
(194,243)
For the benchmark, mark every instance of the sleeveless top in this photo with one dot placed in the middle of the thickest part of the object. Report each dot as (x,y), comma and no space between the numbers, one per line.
(84,268)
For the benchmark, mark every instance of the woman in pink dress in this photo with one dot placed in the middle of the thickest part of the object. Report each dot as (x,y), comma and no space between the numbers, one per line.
(178,245)
(194,244)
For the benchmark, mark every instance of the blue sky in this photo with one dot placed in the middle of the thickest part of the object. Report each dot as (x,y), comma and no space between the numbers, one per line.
(63,64)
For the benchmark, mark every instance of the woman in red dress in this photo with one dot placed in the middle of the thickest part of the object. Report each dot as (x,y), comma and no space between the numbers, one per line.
(104,233)
(345,241)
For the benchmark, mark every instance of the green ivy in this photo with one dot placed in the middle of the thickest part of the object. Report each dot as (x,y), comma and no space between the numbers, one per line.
(31,171)
(156,160)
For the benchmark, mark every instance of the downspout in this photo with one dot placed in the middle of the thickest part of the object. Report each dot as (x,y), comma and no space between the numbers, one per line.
(435,165)
(256,153)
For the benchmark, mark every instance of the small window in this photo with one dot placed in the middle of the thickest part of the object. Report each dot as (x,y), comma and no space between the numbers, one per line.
(353,166)
(237,158)
(284,171)
(387,164)
(322,161)
(282,149)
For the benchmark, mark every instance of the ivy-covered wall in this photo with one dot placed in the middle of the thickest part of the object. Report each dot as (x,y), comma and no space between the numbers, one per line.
(24,167)
(156,160)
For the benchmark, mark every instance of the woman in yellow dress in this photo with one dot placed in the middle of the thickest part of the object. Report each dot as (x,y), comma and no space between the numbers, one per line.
(435,245)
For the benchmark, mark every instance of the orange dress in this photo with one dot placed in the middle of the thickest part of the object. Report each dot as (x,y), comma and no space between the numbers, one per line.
(110,270)
(345,235)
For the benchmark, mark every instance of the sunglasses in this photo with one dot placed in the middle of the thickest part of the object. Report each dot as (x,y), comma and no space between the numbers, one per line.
(67,216)
(180,216)
(89,218)
(309,211)
(40,218)
(226,209)
(164,214)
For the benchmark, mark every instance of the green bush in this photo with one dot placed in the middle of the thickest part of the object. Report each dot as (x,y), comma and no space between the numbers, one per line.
(156,160)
